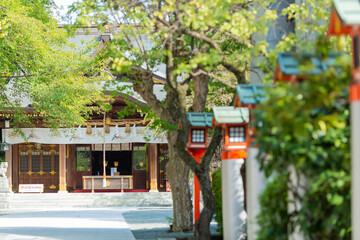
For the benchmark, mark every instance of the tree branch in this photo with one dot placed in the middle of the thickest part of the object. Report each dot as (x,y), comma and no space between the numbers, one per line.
(210,152)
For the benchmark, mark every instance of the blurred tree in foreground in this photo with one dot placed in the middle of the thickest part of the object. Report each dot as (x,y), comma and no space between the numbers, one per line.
(39,67)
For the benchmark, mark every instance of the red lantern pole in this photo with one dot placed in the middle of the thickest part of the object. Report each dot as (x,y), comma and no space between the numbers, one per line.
(197,154)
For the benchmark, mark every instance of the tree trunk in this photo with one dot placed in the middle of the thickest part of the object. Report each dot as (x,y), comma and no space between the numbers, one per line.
(178,174)
(202,226)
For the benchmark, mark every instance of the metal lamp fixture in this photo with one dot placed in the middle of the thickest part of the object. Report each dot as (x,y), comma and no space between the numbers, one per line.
(4,146)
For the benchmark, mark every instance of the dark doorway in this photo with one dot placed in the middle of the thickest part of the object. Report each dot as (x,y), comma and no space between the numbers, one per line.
(123,158)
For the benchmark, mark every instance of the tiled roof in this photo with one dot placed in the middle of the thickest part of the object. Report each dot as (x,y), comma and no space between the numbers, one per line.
(290,63)
(348,11)
(251,93)
(200,119)
(231,115)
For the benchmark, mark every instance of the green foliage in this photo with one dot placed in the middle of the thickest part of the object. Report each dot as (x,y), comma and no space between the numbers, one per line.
(311,22)
(170,220)
(274,215)
(306,126)
(2,156)
(38,63)
(216,186)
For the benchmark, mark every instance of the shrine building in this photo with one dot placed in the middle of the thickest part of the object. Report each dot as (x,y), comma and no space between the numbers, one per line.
(74,160)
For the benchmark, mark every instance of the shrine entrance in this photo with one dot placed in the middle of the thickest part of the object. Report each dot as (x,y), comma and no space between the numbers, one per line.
(39,164)
(120,160)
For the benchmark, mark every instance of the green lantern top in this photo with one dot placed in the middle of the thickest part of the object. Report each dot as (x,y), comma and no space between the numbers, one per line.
(293,66)
(250,94)
(230,115)
(197,119)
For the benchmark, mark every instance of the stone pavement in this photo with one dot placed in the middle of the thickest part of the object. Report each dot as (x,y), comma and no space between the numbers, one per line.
(89,223)
(67,224)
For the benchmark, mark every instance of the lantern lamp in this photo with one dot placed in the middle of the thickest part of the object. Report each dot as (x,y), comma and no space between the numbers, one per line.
(4,146)
(234,122)
(199,122)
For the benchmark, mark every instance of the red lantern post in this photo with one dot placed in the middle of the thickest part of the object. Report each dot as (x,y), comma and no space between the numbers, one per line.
(196,146)
(249,96)
(234,122)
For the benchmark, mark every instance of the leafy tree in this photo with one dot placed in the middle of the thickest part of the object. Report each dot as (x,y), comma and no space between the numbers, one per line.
(200,43)
(305,126)
(303,129)
(38,64)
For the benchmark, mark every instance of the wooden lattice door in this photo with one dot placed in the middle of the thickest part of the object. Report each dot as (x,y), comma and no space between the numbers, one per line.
(39,165)
(163,159)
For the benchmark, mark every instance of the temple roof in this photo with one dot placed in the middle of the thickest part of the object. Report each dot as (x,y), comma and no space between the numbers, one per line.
(251,93)
(348,11)
(197,119)
(231,115)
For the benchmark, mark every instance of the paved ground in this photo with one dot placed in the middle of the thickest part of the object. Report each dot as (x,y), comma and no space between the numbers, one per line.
(90,224)
(152,224)
(74,224)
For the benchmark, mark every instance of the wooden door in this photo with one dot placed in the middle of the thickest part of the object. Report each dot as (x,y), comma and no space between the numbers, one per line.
(139,179)
(39,165)
(140,167)
(162,161)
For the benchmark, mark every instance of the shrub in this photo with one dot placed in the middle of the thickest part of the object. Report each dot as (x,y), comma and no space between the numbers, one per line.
(216,185)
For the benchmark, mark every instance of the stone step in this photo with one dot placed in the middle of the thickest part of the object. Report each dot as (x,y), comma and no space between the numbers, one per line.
(49,200)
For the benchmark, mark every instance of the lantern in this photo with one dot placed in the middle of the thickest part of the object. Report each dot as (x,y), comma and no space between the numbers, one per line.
(199,122)
(249,95)
(290,65)
(88,129)
(127,128)
(4,146)
(234,122)
(196,146)
(345,20)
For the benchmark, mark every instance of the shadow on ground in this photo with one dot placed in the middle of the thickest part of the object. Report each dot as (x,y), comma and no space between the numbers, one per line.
(152,224)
